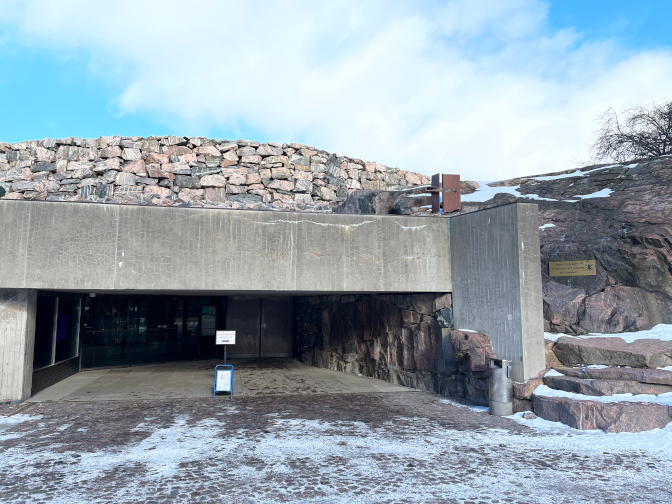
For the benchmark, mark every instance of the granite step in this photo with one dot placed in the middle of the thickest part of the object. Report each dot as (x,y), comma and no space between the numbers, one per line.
(602,387)
(655,376)
(613,351)
(610,417)
(627,415)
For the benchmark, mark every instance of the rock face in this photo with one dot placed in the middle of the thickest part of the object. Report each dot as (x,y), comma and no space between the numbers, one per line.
(403,202)
(551,359)
(247,174)
(396,338)
(473,352)
(610,417)
(617,309)
(562,304)
(643,353)
(626,227)
(524,390)
(384,336)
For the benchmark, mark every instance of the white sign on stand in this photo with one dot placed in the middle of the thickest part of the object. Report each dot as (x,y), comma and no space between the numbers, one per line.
(226,338)
(224,380)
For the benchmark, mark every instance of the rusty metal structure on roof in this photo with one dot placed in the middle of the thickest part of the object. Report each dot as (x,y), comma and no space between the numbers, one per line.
(449,187)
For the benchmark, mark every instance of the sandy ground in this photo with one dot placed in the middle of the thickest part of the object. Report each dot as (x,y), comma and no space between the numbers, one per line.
(410,447)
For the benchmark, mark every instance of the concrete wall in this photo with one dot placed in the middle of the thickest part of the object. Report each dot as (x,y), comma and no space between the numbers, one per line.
(497,282)
(17,341)
(88,247)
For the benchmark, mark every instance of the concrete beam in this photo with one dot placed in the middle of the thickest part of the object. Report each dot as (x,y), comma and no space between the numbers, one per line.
(18,308)
(497,282)
(111,248)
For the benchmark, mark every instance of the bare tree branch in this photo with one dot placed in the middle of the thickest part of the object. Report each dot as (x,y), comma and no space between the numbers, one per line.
(642,132)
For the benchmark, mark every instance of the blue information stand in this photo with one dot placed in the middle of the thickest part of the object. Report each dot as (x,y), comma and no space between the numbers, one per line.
(223,379)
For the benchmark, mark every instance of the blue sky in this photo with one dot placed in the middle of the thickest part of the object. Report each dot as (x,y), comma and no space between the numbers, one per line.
(489,88)
(634,24)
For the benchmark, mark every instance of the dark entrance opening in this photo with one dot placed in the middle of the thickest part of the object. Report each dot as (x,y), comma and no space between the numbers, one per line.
(75,331)
(264,327)
(124,330)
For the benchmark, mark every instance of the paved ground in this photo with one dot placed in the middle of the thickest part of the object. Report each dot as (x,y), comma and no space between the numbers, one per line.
(179,380)
(329,448)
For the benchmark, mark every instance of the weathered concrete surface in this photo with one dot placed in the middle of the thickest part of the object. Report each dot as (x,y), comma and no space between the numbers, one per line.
(70,246)
(17,341)
(497,282)
(193,379)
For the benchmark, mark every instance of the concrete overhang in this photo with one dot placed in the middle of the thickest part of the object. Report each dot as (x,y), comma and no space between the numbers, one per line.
(87,247)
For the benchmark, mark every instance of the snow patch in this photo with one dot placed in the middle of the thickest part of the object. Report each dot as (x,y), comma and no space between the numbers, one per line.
(483,409)
(486,193)
(662,332)
(347,227)
(577,173)
(654,440)
(553,337)
(553,372)
(604,193)
(547,226)
(11,421)
(664,399)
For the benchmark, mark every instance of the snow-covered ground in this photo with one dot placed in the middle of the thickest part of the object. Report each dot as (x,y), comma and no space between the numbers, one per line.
(405,459)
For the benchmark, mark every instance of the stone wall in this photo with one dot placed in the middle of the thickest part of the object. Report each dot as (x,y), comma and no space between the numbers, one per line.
(403,339)
(197,171)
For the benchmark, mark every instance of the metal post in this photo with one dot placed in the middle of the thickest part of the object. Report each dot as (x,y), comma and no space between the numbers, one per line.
(224,354)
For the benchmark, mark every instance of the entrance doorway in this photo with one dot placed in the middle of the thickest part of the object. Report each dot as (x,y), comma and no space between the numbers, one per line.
(264,327)
(124,330)
(141,329)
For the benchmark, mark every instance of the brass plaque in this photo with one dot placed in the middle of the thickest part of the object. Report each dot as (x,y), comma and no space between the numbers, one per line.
(571,268)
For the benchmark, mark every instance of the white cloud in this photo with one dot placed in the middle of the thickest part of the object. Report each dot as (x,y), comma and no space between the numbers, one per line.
(482,88)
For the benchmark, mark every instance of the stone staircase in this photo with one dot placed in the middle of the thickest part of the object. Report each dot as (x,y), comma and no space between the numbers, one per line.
(601,367)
